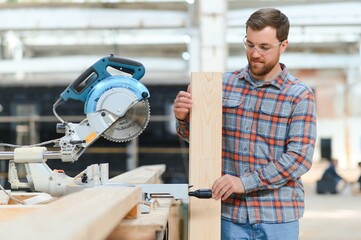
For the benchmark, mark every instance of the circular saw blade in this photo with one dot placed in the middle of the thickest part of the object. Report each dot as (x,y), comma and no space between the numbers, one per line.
(131,124)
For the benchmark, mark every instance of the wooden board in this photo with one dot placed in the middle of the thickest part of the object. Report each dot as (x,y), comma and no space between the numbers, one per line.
(14,209)
(142,175)
(150,226)
(205,153)
(142,227)
(90,214)
(147,226)
(10,212)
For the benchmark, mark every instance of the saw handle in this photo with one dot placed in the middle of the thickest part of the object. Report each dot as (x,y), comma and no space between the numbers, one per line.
(127,65)
(79,89)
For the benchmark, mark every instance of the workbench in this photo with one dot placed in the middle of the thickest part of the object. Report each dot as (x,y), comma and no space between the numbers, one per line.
(96,213)
(153,226)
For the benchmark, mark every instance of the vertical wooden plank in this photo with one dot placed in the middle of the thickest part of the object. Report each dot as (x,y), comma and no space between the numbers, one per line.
(205,150)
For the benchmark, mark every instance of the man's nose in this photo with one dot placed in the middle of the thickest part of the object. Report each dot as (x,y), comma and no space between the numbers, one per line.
(255,52)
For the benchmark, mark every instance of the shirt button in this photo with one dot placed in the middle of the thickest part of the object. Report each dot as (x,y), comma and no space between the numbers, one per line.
(245,149)
(246,171)
(247,128)
(251,109)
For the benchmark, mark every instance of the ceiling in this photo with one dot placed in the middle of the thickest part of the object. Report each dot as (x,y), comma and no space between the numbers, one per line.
(52,43)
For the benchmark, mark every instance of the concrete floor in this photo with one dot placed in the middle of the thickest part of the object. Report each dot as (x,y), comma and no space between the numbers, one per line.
(331,217)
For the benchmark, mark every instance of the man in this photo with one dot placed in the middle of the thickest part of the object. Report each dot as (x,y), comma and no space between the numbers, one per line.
(359,178)
(331,181)
(268,137)
(331,172)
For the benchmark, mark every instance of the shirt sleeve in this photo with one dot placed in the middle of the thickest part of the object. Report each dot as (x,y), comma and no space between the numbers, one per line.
(182,127)
(297,159)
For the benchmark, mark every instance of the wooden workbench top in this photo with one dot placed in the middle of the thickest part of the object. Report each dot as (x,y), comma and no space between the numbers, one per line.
(95,214)
(149,226)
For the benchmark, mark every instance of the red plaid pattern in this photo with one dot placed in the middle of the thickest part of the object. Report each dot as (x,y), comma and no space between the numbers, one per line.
(269,134)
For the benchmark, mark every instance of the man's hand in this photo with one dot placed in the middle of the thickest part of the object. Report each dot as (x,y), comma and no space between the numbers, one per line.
(224,186)
(182,104)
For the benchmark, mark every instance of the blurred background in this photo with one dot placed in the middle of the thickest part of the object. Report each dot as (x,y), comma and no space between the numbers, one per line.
(45,45)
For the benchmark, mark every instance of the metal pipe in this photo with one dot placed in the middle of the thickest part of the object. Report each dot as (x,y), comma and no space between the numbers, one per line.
(46,155)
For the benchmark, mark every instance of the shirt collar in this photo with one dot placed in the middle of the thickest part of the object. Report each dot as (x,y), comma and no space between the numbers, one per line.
(278,82)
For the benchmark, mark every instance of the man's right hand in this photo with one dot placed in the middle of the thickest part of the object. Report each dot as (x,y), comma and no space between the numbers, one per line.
(182,104)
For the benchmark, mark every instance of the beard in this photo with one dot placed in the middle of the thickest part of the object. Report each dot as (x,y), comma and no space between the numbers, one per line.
(259,67)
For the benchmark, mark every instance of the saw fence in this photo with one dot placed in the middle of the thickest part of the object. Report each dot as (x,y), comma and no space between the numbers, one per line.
(95,213)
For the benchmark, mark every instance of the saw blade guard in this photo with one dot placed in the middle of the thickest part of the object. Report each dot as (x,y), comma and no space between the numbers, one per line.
(115,94)
(118,108)
(79,89)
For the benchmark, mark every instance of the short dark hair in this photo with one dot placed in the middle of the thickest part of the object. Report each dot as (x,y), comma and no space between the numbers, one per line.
(270,17)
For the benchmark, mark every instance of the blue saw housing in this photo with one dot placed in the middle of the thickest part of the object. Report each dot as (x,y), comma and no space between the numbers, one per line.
(96,80)
(114,82)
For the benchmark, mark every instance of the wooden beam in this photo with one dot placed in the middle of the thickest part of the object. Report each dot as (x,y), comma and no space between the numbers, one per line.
(142,175)
(10,212)
(150,226)
(90,214)
(205,152)
(146,226)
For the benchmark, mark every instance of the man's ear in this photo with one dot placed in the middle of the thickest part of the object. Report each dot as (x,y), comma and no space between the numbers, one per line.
(283,46)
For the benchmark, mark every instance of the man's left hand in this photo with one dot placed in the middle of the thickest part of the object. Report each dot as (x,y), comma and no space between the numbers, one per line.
(224,186)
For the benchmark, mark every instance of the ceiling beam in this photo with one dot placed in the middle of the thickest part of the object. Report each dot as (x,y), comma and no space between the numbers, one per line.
(33,19)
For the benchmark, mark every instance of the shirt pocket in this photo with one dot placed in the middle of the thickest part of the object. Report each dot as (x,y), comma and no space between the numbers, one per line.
(232,102)
(231,109)
(273,119)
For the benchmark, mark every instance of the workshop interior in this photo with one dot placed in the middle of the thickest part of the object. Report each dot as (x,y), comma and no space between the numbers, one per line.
(87,87)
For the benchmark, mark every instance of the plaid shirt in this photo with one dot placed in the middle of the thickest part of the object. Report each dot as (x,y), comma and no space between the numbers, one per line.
(269,133)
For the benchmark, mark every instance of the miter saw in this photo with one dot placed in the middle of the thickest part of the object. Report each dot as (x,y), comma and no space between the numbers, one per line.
(116,108)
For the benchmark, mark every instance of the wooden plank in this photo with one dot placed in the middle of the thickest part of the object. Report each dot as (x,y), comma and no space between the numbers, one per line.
(14,209)
(175,222)
(24,196)
(205,153)
(142,175)
(145,226)
(150,226)
(90,214)
(10,212)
